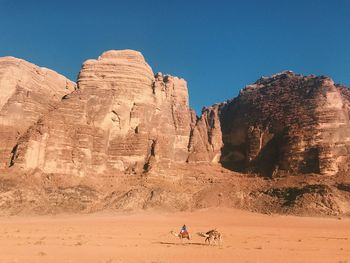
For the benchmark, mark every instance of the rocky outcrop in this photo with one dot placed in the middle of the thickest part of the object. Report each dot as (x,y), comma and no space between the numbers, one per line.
(27,92)
(206,138)
(121,118)
(285,123)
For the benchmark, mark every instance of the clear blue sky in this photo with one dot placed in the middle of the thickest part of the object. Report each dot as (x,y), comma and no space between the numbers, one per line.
(217,46)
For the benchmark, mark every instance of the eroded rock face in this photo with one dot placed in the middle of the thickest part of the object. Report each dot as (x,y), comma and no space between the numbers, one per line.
(121,118)
(206,138)
(287,122)
(27,92)
(124,119)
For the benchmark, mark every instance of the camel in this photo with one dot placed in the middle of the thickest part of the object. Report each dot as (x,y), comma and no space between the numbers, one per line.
(182,235)
(212,236)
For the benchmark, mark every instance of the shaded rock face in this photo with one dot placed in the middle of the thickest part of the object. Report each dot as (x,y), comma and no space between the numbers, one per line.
(121,118)
(288,122)
(27,92)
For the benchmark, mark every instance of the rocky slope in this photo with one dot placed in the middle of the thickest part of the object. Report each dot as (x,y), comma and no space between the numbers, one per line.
(182,188)
(27,92)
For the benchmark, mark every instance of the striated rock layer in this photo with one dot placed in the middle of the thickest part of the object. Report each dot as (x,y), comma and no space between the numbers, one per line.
(285,123)
(27,92)
(121,118)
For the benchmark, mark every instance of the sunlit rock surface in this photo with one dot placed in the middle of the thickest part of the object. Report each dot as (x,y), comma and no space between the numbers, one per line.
(121,118)
(27,92)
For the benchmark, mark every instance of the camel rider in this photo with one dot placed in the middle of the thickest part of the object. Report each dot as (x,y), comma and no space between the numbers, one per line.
(183,230)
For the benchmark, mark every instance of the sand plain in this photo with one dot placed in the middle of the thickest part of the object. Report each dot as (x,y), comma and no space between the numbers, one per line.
(144,237)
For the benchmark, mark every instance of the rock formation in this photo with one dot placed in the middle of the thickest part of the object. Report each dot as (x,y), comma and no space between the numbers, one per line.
(27,92)
(288,123)
(206,139)
(121,118)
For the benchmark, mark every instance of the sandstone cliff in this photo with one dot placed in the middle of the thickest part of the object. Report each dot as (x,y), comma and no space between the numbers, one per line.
(65,145)
(121,118)
(287,123)
(27,92)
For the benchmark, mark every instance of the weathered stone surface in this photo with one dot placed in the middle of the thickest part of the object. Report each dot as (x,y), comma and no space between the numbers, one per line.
(121,118)
(287,122)
(206,140)
(27,92)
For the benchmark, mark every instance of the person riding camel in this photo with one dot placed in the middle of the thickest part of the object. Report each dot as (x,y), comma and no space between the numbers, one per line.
(183,232)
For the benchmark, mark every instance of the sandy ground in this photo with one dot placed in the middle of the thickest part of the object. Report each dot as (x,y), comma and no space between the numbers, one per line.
(144,237)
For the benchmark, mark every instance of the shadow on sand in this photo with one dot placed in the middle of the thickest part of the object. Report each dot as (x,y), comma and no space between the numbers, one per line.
(181,244)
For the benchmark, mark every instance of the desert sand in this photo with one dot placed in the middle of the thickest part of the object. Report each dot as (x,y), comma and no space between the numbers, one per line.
(144,237)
